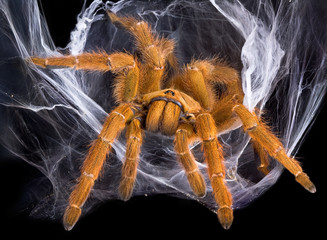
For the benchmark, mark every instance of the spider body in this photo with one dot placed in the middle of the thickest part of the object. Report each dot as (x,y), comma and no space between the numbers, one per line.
(184,105)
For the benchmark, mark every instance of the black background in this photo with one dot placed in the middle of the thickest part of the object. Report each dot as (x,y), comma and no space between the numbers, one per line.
(285,209)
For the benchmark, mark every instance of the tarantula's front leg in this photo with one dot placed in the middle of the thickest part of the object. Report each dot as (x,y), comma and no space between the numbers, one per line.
(93,163)
(154,51)
(260,133)
(183,138)
(206,129)
(100,61)
(123,64)
(133,147)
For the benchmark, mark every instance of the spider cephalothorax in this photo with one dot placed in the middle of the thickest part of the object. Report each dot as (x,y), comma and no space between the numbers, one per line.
(183,104)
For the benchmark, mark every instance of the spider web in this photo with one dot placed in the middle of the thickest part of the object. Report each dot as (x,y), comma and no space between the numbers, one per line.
(278,49)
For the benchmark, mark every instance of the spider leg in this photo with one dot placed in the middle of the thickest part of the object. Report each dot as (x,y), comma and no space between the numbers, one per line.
(133,147)
(260,133)
(206,130)
(183,138)
(100,61)
(93,163)
(201,78)
(223,115)
(196,82)
(154,51)
(227,120)
(123,64)
(263,156)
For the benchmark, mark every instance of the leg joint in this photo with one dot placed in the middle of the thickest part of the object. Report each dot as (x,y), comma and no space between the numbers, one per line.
(74,206)
(210,139)
(106,141)
(217,175)
(192,171)
(119,114)
(251,128)
(89,175)
(133,137)
(182,153)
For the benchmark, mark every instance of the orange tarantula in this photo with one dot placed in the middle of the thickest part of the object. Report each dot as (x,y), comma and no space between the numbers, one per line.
(183,104)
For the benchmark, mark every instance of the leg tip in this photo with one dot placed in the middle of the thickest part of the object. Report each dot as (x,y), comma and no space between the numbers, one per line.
(263,169)
(125,196)
(304,180)
(225,216)
(126,189)
(71,216)
(312,189)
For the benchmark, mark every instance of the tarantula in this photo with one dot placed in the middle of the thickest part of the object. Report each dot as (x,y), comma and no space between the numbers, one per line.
(184,105)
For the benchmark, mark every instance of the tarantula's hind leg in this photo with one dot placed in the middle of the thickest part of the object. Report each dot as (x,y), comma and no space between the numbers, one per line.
(183,138)
(133,147)
(260,133)
(93,163)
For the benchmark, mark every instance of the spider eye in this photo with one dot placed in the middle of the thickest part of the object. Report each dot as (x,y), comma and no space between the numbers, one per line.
(170,91)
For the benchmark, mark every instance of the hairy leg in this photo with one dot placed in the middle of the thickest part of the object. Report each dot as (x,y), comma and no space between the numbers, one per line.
(201,79)
(260,133)
(185,136)
(96,61)
(93,163)
(133,148)
(263,156)
(227,120)
(223,115)
(206,129)
(154,51)
(122,64)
